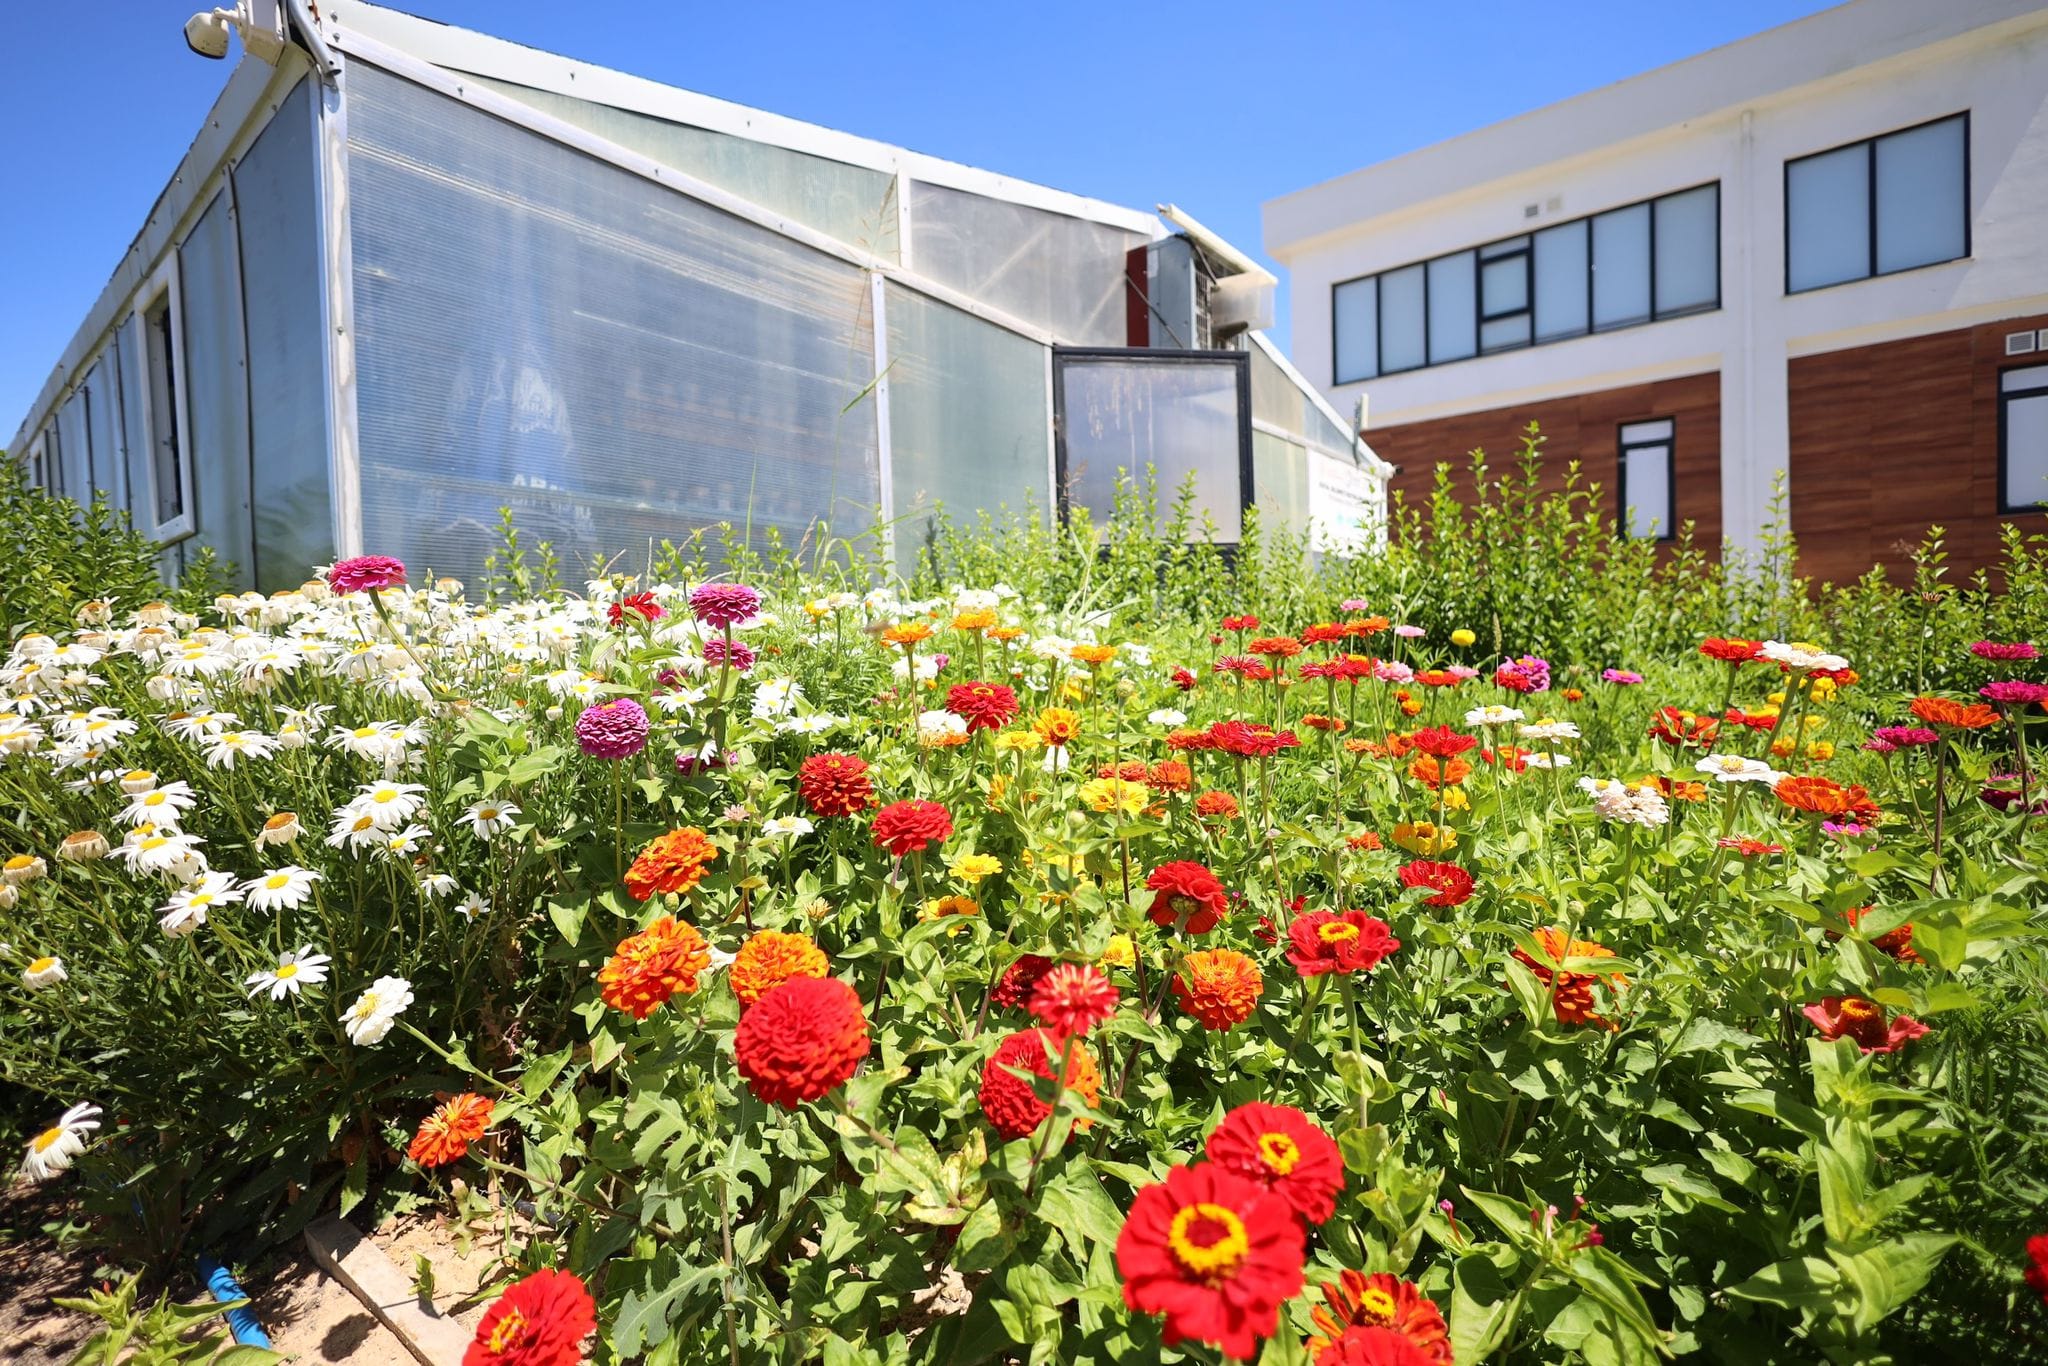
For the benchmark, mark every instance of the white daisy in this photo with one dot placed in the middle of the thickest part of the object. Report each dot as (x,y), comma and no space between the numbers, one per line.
(389,805)
(1547,760)
(473,906)
(46,971)
(372,1015)
(283,888)
(1548,728)
(490,818)
(1493,714)
(1799,654)
(293,972)
(786,827)
(405,843)
(50,1153)
(434,886)
(938,726)
(162,850)
(187,909)
(161,806)
(231,745)
(1734,768)
(1168,717)
(199,726)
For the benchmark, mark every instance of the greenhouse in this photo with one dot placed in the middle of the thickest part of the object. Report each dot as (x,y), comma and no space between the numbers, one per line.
(409,275)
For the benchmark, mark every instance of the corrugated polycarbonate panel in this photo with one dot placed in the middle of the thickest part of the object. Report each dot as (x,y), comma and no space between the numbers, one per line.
(73,466)
(1280,483)
(1063,274)
(217,386)
(615,361)
(102,410)
(855,204)
(968,418)
(276,202)
(1277,399)
(134,439)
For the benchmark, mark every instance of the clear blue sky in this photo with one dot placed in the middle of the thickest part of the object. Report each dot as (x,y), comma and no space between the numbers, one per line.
(1212,106)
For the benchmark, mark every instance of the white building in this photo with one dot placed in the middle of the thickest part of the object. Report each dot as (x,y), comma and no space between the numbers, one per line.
(1818,253)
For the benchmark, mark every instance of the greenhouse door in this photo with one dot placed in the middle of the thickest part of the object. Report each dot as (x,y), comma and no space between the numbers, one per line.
(1180,413)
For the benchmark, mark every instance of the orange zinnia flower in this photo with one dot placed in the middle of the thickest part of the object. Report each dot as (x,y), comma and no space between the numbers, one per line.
(1572,993)
(769,958)
(1219,987)
(445,1135)
(1056,725)
(649,967)
(674,863)
(1940,711)
(907,633)
(1093,655)
(1433,773)
(1820,796)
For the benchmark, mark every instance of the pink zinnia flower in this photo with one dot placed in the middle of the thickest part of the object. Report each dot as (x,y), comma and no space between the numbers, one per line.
(1904,737)
(1465,672)
(612,730)
(1529,674)
(2014,692)
(366,572)
(1991,649)
(1876,746)
(1626,677)
(724,604)
(1864,1021)
(1407,632)
(1392,671)
(1354,604)
(739,655)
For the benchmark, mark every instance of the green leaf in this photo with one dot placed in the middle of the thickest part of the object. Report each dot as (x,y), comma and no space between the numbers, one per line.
(1483,1309)
(356,1184)
(1886,1276)
(1806,1284)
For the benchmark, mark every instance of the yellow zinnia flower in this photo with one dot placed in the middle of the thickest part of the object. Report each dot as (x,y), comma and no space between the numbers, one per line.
(1108,795)
(974,867)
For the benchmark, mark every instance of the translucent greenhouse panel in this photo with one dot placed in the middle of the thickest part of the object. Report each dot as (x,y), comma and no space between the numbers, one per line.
(73,466)
(855,204)
(1280,484)
(102,412)
(134,439)
(282,272)
(617,362)
(1063,274)
(1275,397)
(217,387)
(967,419)
(1177,417)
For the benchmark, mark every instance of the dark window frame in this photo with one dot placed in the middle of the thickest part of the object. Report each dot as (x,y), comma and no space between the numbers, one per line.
(1240,361)
(1479,294)
(1869,146)
(1667,526)
(2007,508)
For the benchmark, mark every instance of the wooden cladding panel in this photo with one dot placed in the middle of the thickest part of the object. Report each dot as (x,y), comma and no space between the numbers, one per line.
(1585,428)
(1888,440)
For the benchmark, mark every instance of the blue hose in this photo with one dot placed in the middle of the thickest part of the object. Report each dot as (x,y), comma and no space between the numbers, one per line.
(241,1322)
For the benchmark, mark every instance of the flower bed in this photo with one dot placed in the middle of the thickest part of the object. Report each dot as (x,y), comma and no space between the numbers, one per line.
(849,978)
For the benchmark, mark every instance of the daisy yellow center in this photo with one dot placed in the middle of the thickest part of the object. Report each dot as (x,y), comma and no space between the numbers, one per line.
(154,799)
(508,1332)
(366,1007)
(277,880)
(155,842)
(1376,1306)
(489,813)
(20,861)
(1337,932)
(47,1140)
(384,795)
(1208,1240)
(200,899)
(279,822)
(365,732)
(363,823)
(286,971)
(43,964)
(1279,1152)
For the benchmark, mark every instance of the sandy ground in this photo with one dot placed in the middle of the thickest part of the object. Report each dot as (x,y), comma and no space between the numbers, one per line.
(310,1316)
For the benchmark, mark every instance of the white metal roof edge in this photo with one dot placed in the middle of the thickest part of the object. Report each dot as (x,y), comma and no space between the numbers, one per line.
(238,113)
(1831,43)
(1373,461)
(1214,244)
(480,54)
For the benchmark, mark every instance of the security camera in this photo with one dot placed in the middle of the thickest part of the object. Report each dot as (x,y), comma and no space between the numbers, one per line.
(207,33)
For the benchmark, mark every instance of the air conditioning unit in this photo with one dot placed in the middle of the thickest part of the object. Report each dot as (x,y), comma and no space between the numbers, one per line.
(2024,343)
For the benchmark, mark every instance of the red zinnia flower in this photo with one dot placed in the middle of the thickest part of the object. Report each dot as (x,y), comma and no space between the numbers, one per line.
(1897,942)
(1452,884)
(1184,679)
(1571,995)
(1682,728)
(1073,998)
(801,1040)
(1169,775)
(1864,1021)
(1286,1152)
(1750,848)
(445,1135)
(1441,742)
(1434,773)
(1731,649)
(1367,841)
(835,784)
(984,706)
(1189,894)
(1216,806)
(1214,1252)
(1324,941)
(1940,711)
(1275,647)
(1361,1307)
(1323,633)
(674,863)
(540,1320)
(641,605)
(1243,623)
(1820,796)
(1007,1100)
(912,826)
(2037,1264)
(1020,979)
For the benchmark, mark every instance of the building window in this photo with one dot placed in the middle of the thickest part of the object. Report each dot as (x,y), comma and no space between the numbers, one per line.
(2023,439)
(1648,503)
(1639,263)
(1886,204)
(39,459)
(159,318)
